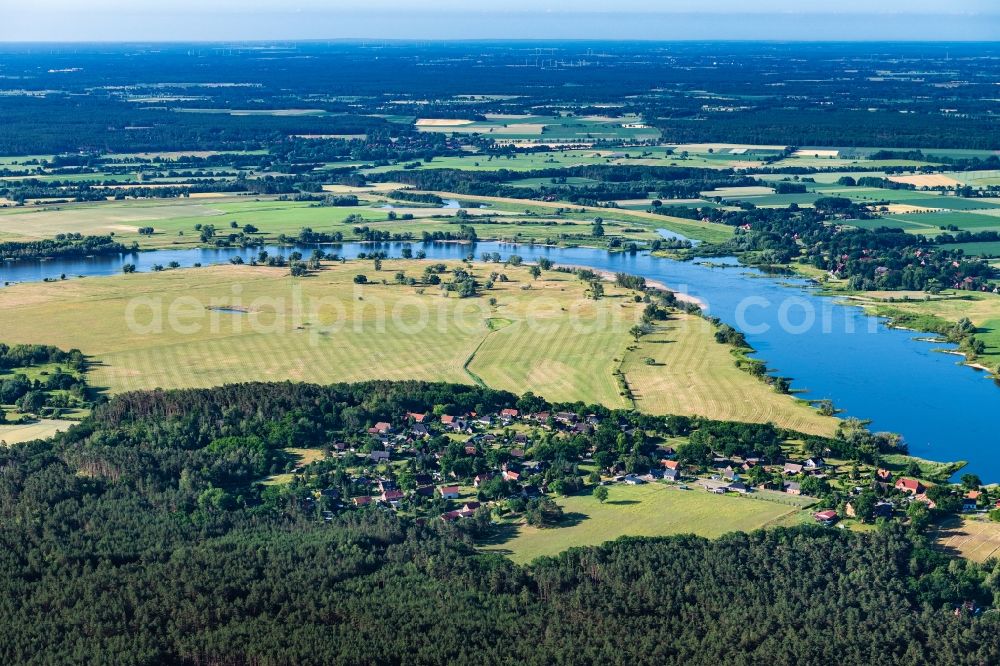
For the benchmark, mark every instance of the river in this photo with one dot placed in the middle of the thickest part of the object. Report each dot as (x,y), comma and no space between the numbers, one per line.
(944,411)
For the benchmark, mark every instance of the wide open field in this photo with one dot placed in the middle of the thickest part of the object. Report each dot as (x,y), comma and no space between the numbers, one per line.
(153,330)
(647,510)
(43,429)
(977,539)
(358,332)
(695,374)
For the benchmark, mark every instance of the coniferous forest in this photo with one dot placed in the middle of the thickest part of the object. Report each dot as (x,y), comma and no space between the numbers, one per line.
(139,538)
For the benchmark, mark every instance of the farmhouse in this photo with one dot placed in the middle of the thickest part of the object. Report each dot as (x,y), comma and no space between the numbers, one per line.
(911,486)
(449,492)
(392,497)
(380,428)
(827,517)
(792,469)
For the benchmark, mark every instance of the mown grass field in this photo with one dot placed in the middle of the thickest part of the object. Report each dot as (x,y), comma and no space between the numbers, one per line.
(323,328)
(646,510)
(977,539)
(175,221)
(692,373)
(16,433)
(150,330)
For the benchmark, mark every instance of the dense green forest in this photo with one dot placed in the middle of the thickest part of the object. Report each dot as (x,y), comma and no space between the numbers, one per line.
(139,538)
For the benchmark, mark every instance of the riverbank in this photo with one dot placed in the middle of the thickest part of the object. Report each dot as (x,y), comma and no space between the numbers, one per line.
(867,370)
(611,276)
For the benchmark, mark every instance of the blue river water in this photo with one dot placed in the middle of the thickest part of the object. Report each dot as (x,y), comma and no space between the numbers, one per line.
(944,411)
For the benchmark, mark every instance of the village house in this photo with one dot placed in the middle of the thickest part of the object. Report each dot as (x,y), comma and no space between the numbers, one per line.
(568,418)
(364,500)
(672,474)
(481,479)
(911,486)
(508,415)
(511,475)
(670,464)
(827,517)
(379,456)
(380,428)
(793,488)
(425,491)
(792,469)
(416,418)
(449,492)
(713,486)
(883,475)
(392,497)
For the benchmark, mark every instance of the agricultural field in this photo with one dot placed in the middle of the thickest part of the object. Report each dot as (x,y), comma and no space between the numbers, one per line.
(175,222)
(222,324)
(585,129)
(691,373)
(976,539)
(646,510)
(15,433)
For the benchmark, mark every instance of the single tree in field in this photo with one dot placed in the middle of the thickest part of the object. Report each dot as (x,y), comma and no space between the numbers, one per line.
(536,272)
(601,494)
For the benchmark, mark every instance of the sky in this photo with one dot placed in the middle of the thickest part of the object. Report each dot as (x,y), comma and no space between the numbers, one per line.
(207,20)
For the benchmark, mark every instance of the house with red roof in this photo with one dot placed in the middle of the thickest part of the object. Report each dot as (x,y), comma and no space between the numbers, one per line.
(911,486)
(826,517)
(449,492)
(392,496)
(380,428)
